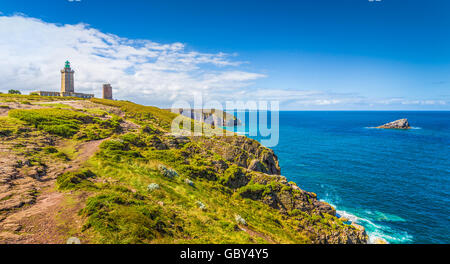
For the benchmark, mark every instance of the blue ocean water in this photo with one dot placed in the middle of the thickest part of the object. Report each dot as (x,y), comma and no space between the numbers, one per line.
(396,183)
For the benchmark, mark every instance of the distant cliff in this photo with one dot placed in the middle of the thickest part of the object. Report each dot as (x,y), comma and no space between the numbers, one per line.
(210,116)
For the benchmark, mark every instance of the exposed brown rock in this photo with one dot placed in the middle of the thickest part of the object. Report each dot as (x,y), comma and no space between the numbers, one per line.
(398,124)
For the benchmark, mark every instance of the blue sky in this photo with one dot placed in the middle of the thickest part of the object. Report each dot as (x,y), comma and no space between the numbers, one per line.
(318,55)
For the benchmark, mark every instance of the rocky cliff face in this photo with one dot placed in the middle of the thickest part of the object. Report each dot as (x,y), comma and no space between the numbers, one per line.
(210,117)
(244,152)
(398,124)
(260,180)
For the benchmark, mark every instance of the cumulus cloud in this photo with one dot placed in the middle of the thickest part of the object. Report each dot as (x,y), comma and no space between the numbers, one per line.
(33,51)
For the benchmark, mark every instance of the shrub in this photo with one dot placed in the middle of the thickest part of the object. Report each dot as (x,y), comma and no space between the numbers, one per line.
(189,182)
(253,191)
(201,205)
(198,172)
(121,218)
(14,92)
(167,172)
(49,150)
(5,132)
(117,150)
(75,180)
(234,177)
(133,139)
(153,186)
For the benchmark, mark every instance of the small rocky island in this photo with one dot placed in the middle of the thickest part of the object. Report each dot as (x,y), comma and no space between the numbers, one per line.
(398,124)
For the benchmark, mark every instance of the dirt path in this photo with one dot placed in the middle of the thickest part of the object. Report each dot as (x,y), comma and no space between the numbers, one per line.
(254,233)
(38,223)
(85,150)
(36,212)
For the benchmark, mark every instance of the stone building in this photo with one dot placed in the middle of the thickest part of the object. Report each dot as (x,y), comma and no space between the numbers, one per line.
(67,85)
(107,91)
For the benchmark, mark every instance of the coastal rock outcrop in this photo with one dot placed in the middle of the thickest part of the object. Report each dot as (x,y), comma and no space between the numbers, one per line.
(398,124)
(210,116)
(244,152)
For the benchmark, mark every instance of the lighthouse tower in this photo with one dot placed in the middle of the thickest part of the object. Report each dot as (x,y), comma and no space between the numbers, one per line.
(67,82)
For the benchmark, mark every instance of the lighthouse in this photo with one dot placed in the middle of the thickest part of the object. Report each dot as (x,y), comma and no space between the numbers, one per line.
(67,81)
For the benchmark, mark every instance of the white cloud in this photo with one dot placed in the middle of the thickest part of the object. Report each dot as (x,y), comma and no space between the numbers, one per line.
(34,51)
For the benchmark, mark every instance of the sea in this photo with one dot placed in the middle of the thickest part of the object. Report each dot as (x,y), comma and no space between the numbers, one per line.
(395,183)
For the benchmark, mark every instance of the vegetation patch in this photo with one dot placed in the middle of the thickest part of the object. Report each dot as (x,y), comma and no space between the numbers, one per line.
(124,217)
(75,180)
(64,123)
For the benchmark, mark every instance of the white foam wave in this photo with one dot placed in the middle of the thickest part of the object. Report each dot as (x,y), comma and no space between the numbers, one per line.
(376,232)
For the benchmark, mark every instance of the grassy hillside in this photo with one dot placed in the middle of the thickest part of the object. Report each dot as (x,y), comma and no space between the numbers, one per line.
(119,176)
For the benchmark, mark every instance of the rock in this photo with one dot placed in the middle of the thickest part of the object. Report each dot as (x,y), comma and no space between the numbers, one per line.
(189,182)
(398,124)
(256,165)
(201,205)
(167,172)
(12,227)
(153,186)
(240,220)
(380,241)
(73,240)
(358,227)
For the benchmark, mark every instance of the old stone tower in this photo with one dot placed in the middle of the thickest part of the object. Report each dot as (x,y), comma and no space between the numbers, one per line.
(107,91)
(67,81)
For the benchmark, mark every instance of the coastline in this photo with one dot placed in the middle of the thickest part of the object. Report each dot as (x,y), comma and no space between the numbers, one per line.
(375,232)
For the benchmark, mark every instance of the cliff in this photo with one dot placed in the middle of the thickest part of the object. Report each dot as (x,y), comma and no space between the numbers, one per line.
(210,116)
(111,172)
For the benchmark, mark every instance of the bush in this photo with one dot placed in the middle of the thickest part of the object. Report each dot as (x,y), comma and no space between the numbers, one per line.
(153,186)
(49,150)
(189,182)
(5,132)
(234,177)
(121,218)
(75,180)
(201,205)
(14,92)
(167,172)
(253,191)
(199,172)
(134,140)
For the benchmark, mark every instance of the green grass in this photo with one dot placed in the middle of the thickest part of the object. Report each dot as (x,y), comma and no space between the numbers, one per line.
(34,98)
(67,123)
(75,180)
(56,105)
(64,123)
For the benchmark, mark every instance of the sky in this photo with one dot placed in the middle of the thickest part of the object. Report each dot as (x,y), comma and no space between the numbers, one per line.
(306,54)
